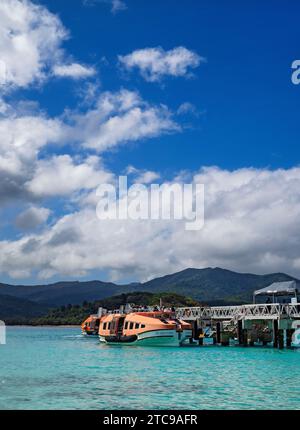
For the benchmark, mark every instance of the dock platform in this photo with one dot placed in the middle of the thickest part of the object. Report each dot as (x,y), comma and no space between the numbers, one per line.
(268,323)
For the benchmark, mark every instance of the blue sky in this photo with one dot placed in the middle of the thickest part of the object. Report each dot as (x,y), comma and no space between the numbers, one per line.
(244,91)
(231,121)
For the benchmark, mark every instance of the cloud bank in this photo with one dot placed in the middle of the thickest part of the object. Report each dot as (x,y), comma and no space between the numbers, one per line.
(252,220)
(114,119)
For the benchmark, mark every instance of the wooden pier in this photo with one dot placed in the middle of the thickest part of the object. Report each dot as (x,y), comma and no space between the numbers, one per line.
(257,324)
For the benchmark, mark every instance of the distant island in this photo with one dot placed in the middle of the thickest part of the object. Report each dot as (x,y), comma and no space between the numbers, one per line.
(70,302)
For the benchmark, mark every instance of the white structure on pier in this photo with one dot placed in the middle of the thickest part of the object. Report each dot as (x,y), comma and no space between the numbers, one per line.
(254,312)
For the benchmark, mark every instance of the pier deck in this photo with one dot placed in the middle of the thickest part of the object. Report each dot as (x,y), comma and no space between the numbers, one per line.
(257,323)
(257,311)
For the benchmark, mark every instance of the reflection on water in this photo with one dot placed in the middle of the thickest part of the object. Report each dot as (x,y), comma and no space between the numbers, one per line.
(56,368)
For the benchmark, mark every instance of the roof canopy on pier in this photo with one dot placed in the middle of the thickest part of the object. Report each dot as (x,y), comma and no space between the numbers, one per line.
(278,289)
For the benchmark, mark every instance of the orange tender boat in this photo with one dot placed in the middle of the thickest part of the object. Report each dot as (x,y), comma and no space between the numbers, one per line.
(157,328)
(91,325)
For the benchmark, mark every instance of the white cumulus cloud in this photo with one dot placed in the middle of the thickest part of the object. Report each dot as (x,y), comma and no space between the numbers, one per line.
(142,176)
(32,218)
(119,118)
(252,221)
(61,176)
(74,70)
(155,63)
(21,140)
(28,171)
(31,40)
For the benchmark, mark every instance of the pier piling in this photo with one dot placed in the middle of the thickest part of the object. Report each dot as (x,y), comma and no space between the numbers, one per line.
(280,339)
(240,332)
(250,324)
(218,330)
(200,337)
(289,337)
(275,333)
(225,339)
(245,337)
(195,330)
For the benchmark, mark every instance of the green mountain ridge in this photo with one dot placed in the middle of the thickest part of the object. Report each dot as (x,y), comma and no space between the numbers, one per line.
(20,309)
(209,285)
(215,284)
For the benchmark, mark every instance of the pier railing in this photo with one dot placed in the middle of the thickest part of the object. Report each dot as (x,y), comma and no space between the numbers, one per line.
(256,311)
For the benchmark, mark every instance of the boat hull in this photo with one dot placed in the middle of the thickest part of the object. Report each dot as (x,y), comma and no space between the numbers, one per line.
(87,333)
(151,338)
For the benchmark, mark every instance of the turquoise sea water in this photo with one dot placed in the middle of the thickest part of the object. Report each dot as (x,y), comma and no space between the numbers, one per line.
(56,368)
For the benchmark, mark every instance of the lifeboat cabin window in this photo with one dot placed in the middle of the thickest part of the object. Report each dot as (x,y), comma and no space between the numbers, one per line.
(104,326)
(108,326)
(137,325)
(142,325)
(126,325)
(131,326)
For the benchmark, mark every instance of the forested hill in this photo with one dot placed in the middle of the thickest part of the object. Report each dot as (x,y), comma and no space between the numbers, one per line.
(75,314)
(210,285)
